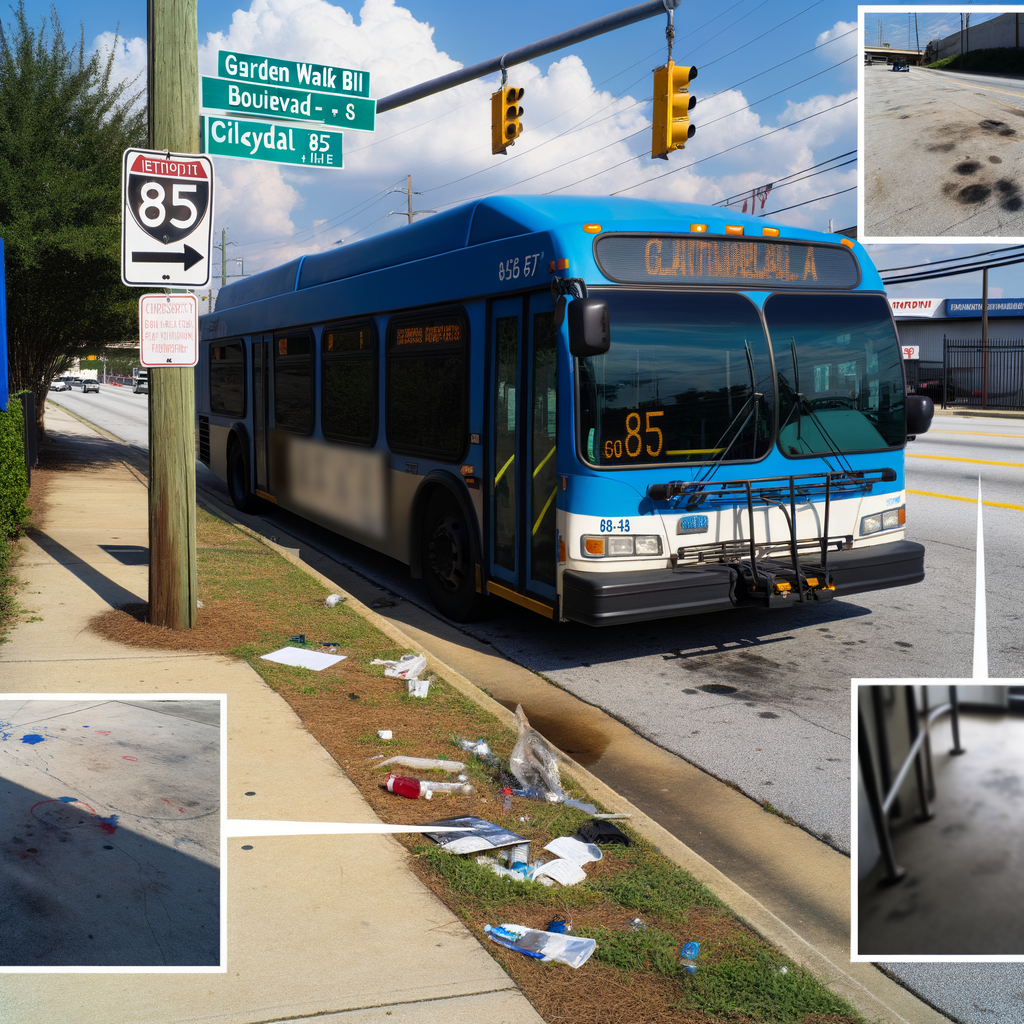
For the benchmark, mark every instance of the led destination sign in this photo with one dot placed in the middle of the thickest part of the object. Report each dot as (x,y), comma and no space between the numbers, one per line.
(735,262)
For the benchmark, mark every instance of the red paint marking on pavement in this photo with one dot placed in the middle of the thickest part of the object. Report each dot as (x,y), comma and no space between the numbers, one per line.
(127,757)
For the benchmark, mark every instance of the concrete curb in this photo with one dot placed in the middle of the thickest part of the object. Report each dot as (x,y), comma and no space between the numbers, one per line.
(901,1007)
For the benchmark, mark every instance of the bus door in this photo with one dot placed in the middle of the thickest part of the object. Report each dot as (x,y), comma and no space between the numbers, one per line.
(260,405)
(522,477)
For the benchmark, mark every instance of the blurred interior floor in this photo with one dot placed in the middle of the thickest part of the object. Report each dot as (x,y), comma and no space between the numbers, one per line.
(963,892)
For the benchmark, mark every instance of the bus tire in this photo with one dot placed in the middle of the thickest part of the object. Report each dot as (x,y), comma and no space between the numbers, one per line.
(449,559)
(238,480)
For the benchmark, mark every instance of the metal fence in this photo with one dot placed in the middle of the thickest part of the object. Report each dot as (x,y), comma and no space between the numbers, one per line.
(971,376)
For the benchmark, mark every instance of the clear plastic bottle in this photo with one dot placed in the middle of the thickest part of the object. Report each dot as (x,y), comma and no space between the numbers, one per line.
(410,788)
(506,800)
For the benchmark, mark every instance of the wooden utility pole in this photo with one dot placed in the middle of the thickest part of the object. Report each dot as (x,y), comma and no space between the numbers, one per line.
(173,38)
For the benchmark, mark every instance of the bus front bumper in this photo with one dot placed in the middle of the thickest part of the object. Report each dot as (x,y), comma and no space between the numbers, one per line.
(610,598)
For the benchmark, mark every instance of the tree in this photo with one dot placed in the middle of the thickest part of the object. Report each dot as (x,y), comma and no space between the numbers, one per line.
(64,125)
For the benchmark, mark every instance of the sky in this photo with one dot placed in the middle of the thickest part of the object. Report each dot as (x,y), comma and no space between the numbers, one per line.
(776,103)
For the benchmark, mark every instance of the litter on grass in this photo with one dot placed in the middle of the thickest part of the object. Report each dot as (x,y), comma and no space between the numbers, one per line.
(484,836)
(571,848)
(423,763)
(418,687)
(385,734)
(409,666)
(533,761)
(332,600)
(546,946)
(300,658)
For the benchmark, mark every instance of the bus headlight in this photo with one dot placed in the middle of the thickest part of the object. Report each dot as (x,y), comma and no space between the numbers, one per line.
(891,519)
(619,545)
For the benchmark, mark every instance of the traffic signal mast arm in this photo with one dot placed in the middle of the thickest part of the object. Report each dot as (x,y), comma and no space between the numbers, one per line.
(610,22)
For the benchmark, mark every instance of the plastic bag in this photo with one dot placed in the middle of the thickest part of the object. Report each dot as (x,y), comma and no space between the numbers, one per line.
(533,762)
(566,949)
(409,666)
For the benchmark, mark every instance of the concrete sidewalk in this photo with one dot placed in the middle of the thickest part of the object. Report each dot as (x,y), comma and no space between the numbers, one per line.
(323,925)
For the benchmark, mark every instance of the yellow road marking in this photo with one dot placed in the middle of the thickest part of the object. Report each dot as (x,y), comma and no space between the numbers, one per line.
(979,462)
(976,433)
(973,501)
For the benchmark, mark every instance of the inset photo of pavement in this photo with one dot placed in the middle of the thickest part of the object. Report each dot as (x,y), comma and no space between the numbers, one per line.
(110,843)
(942,127)
(939,864)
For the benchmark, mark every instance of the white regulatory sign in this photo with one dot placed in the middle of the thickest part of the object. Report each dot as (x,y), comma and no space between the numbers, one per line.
(166,219)
(169,330)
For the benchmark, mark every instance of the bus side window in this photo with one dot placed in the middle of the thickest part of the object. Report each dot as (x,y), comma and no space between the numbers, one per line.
(348,355)
(227,378)
(293,382)
(426,385)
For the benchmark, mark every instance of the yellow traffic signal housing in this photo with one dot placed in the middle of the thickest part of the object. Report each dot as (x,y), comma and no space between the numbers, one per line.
(672,105)
(505,115)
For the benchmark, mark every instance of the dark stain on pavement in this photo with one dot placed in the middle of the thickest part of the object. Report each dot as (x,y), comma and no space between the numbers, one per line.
(941,147)
(995,159)
(999,127)
(1010,193)
(969,196)
(967,167)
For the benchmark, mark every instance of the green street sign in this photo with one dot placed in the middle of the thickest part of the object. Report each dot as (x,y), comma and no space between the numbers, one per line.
(279,103)
(246,139)
(247,67)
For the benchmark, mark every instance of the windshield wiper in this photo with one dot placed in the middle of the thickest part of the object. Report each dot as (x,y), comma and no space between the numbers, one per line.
(800,401)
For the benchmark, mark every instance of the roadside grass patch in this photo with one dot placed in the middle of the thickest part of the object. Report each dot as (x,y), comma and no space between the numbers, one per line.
(634,976)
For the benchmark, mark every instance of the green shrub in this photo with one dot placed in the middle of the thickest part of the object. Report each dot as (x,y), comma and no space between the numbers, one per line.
(13,478)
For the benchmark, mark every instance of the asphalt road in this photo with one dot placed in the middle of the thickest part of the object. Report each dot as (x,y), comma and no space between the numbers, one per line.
(942,154)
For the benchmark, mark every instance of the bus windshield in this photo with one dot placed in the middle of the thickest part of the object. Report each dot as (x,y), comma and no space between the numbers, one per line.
(839,375)
(687,379)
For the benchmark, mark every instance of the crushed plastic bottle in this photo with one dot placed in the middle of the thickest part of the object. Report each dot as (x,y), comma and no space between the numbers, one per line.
(482,751)
(506,800)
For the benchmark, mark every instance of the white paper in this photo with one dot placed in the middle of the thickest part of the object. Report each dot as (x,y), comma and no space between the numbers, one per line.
(304,659)
(573,849)
(563,871)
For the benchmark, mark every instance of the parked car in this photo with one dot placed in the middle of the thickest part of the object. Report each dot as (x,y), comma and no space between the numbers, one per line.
(141,384)
(900,65)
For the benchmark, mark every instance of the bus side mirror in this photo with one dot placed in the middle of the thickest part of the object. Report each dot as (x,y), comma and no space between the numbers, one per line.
(589,331)
(920,409)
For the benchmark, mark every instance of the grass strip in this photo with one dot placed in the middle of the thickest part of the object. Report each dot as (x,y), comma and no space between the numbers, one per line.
(255,600)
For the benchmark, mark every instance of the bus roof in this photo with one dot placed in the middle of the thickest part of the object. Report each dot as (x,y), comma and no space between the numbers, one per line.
(484,220)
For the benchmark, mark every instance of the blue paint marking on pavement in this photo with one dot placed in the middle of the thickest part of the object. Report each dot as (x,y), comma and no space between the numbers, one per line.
(68,799)
(32,737)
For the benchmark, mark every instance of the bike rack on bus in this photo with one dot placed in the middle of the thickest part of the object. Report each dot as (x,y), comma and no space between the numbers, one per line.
(767,581)
(920,754)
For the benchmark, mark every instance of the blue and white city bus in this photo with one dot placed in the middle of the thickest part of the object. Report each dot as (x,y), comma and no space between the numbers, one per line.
(604,410)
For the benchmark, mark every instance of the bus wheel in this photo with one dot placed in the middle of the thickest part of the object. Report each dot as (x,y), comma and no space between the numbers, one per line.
(448,562)
(238,481)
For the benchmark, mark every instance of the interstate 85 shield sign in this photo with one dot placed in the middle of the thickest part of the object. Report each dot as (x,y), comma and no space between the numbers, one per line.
(166,219)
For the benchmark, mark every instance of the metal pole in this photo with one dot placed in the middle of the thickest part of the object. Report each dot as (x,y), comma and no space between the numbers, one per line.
(867,767)
(884,755)
(408,181)
(610,22)
(955,721)
(984,338)
(915,728)
(173,125)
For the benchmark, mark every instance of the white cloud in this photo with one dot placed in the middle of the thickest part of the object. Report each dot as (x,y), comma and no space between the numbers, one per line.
(130,58)
(846,33)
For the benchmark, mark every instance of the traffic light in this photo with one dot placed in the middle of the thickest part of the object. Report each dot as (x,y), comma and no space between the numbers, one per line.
(672,105)
(505,114)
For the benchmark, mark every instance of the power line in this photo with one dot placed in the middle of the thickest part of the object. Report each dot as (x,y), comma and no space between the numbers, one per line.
(953,259)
